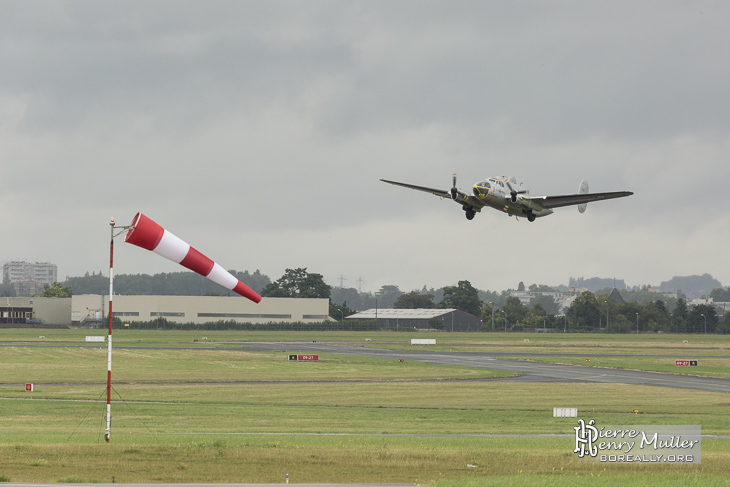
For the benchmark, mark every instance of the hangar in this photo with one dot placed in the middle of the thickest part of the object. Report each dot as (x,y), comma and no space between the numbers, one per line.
(202,309)
(91,309)
(423,319)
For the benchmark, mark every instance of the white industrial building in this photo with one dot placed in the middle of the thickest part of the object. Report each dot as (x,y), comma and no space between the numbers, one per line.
(90,309)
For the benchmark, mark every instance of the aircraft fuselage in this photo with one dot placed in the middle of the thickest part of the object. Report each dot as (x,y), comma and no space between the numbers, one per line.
(507,196)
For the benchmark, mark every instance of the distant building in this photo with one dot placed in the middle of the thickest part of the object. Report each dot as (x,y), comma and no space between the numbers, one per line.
(616,297)
(578,290)
(90,310)
(446,319)
(29,279)
(563,300)
(11,315)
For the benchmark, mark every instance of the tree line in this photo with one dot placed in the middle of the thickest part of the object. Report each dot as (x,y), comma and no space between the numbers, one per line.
(164,284)
(644,311)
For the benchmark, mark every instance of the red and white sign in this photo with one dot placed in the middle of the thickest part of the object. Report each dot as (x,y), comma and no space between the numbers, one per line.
(682,362)
(29,387)
(304,358)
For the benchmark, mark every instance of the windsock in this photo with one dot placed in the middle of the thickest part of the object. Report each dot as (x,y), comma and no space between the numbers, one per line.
(146,233)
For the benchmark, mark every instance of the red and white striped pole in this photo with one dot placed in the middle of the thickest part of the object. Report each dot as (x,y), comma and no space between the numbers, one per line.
(109,345)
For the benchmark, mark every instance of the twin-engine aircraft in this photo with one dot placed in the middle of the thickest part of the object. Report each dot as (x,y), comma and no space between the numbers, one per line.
(504,194)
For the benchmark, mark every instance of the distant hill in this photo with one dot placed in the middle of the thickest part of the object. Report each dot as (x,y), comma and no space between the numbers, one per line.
(597,283)
(691,286)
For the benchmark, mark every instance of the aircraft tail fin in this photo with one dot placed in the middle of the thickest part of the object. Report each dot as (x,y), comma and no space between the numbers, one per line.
(583,189)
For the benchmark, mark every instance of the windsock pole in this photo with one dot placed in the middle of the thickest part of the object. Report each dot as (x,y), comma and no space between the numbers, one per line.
(107,435)
(109,343)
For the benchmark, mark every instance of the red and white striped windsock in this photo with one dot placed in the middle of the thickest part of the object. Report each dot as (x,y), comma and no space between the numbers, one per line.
(147,234)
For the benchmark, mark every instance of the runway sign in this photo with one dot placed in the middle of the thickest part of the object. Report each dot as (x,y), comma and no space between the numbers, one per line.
(686,363)
(565,412)
(304,358)
(29,387)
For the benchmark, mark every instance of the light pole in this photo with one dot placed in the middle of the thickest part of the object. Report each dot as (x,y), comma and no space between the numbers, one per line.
(377,323)
(606,301)
(705,317)
(637,323)
(491,305)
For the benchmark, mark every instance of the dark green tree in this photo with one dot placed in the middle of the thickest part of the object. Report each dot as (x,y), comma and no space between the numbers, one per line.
(463,296)
(723,326)
(56,291)
(340,311)
(388,295)
(7,290)
(298,283)
(721,295)
(702,318)
(680,315)
(541,288)
(355,300)
(436,323)
(652,316)
(514,310)
(486,315)
(661,308)
(584,312)
(414,300)
(547,302)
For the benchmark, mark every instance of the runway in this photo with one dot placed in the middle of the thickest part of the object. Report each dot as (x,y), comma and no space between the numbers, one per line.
(30,484)
(530,371)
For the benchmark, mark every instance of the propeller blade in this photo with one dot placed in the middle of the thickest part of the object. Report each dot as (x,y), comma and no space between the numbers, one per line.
(513,192)
(454,190)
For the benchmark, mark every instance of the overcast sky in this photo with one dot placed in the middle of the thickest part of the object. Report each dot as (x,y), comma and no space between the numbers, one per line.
(258,131)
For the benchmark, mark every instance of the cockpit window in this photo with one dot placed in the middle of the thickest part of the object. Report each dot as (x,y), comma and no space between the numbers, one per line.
(481,189)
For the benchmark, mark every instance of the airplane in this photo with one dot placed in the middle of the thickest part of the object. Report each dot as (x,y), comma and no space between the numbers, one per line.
(504,194)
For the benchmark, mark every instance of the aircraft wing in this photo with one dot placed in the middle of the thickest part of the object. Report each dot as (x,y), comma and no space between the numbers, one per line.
(438,192)
(575,199)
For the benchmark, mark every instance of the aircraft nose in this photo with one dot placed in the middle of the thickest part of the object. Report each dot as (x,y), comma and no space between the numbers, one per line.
(480,192)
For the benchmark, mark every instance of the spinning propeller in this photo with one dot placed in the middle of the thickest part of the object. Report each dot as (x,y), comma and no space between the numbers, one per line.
(513,192)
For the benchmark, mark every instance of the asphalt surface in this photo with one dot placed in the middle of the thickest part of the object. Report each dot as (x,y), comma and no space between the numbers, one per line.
(530,371)
(30,484)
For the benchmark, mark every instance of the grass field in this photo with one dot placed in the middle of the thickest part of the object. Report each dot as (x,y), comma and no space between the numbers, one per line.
(215,411)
